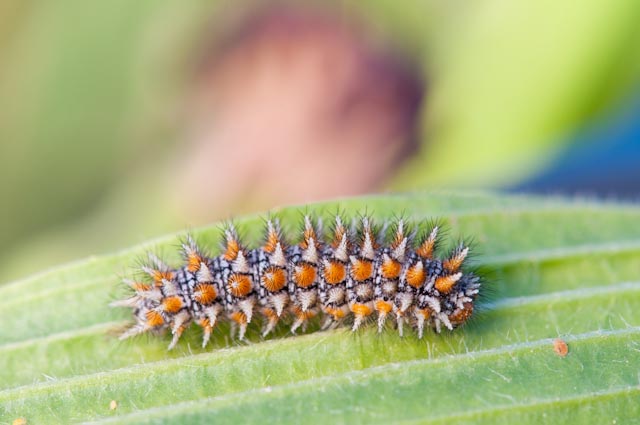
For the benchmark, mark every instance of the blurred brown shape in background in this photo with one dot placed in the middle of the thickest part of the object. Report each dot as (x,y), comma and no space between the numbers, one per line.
(294,105)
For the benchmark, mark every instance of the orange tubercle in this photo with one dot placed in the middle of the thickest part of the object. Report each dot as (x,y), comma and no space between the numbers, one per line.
(454,263)
(304,315)
(272,241)
(383,306)
(193,262)
(270,313)
(361,309)
(461,316)
(334,272)
(444,284)
(337,313)
(424,312)
(274,279)
(337,236)
(426,249)
(397,239)
(304,275)
(154,319)
(205,323)
(233,247)
(159,276)
(205,293)
(391,269)
(172,304)
(239,284)
(362,270)
(308,234)
(416,275)
(239,317)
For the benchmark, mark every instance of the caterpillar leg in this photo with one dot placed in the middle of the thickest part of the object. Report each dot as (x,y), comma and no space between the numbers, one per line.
(382,317)
(403,304)
(247,306)
(294,327)
(176,336)
(357,322)
(240,319)
(212,313)
(272,320)
(302,318)
(334,315)
(242,332)
(421,316)
(383,308)
(180,323)
(360,312)
(442,319)
(400,322)
(327,323)
(207,328)
(209,322)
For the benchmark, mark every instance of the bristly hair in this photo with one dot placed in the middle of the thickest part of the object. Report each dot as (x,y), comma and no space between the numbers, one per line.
(359,269)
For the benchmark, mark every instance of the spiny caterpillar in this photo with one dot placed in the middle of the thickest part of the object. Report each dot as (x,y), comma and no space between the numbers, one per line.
(348,277)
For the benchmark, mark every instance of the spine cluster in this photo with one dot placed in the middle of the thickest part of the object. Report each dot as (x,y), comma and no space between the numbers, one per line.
(350,277)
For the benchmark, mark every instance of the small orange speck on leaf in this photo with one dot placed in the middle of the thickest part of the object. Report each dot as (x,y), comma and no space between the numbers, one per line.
(560,347)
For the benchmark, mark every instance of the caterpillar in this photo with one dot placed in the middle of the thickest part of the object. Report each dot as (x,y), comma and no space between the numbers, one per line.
(349,276)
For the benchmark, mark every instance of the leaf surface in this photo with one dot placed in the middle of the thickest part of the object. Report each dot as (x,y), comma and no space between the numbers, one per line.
(555,269)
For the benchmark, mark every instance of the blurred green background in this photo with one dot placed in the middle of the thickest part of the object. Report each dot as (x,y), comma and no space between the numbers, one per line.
(91,97)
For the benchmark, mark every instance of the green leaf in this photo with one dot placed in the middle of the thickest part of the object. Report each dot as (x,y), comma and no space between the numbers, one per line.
(555,269)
